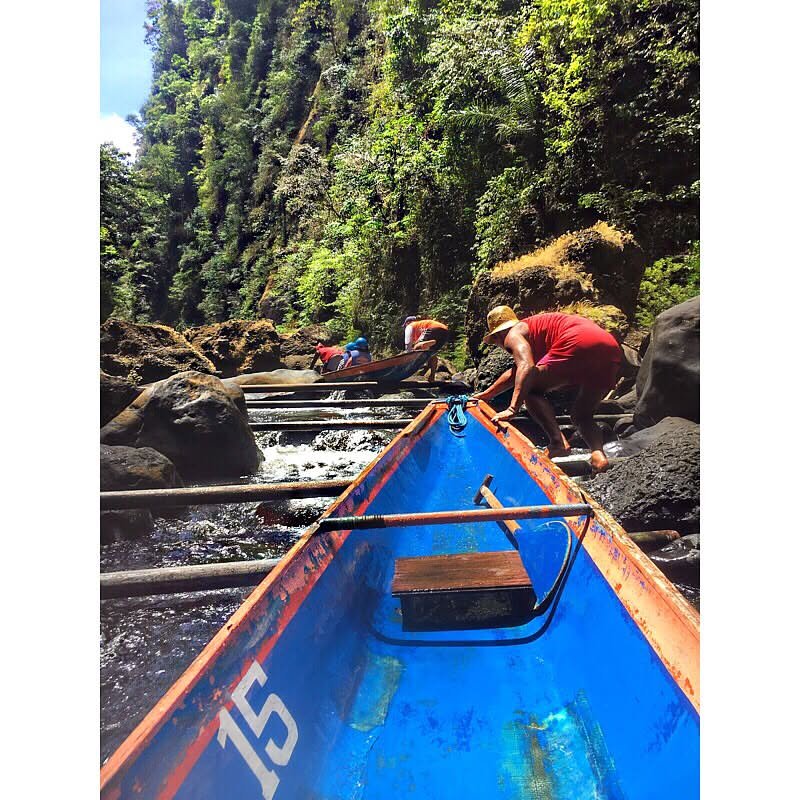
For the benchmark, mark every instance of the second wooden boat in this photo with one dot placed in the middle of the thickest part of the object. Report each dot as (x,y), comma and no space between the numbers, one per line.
(389,370)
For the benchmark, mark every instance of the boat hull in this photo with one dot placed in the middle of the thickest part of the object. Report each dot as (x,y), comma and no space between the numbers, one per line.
(314,689)
(390,370)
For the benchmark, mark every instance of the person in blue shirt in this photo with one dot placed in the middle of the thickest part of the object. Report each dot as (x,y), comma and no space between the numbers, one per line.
(356,353)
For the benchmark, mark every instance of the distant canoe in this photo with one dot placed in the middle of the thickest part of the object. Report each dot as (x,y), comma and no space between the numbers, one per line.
(322,685)
(389,370)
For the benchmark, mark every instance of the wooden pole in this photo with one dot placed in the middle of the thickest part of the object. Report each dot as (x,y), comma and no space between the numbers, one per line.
(203,577)
(455,517)
(579,467)
(485,493)
(331,386)
(211,495)
(319,426)
(392,402)
(651,540)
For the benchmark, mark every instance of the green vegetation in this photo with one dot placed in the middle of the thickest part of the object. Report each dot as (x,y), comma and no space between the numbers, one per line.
(364,159)
(668,282)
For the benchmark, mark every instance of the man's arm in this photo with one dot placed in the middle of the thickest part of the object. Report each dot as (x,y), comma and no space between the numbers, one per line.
(525,368)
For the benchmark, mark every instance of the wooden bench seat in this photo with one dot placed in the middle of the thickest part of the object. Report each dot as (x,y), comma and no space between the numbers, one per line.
(463,590)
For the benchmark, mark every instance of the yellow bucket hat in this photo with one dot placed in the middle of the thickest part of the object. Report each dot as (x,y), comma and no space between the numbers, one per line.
(500,318)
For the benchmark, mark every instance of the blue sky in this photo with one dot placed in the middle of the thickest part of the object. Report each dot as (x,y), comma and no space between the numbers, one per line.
(124,68)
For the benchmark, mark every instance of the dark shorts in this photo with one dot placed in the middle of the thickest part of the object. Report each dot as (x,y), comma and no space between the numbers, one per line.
(437,335)
(333,363)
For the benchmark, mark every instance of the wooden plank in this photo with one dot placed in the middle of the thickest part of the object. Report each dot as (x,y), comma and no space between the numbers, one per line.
(460,572)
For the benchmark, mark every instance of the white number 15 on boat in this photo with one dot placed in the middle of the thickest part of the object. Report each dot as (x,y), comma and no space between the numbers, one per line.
(279,755)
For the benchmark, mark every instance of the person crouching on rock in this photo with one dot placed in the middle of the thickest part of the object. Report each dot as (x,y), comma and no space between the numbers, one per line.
(418,332)
(356,353)
(552,351)
(330,357)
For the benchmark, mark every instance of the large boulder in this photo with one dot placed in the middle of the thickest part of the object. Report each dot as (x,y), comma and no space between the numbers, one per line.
(146,353)
(668,384)
(658,488)
(124,468)
(238,345)
(297,349)
(196,420)
(669,429)
(132,468)
(115,395)
(594,272)
(491,367)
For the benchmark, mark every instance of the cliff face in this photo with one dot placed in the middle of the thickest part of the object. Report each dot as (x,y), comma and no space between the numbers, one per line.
(348,162)
(594,272)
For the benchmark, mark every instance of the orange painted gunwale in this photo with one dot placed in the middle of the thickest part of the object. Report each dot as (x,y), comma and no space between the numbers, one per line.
(667,620)
(122,759)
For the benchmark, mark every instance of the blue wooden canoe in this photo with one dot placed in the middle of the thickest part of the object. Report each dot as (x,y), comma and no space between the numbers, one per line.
(390,370)
(316,688)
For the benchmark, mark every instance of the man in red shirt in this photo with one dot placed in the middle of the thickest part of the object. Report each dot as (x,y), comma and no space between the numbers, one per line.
(419,333)
(552,351)
(331,357)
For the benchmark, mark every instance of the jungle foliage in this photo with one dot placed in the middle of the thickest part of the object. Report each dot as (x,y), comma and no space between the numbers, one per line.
(364,159)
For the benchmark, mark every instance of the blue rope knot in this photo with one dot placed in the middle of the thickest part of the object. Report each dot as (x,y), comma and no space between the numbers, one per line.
(457,413)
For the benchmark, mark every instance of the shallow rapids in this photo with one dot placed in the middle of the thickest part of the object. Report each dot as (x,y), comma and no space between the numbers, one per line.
(146,643)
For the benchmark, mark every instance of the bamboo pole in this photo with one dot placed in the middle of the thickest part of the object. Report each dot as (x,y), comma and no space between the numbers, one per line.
(331,386)
(319,426)
(206,577)
(455,517)
(392,402)
(171,580)
(651,540)
(211,495)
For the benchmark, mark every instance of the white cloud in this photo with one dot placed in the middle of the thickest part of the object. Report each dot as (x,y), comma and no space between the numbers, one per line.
(113,128)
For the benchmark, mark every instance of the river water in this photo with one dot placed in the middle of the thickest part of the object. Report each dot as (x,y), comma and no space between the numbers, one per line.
(147,643)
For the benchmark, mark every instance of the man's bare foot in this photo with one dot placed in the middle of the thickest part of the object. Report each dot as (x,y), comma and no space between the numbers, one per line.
(554,451)
(598,461)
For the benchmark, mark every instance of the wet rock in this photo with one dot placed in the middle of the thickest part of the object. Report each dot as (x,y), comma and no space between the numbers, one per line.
(115,395)
(145,353)
(591,268)
(297,349)
(658,487)
(668,384)
(124,468)
(627,401)
(670,429)
(680,560)
(468,377)
(196,420)
(239,345)
(130,524)
(272,377)
(492,366)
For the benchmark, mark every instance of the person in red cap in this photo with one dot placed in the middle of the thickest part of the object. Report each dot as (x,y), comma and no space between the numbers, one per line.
(330,357)
(419,333)
(552,351)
